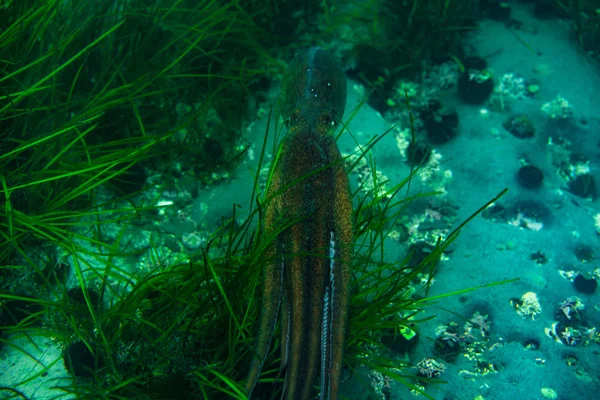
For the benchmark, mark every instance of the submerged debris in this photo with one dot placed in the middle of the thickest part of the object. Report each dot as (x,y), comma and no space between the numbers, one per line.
(571,306)
(430,368)
(527,306)
(557,109)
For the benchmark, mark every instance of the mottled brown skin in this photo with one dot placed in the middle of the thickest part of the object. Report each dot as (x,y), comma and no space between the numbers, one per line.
(306,275)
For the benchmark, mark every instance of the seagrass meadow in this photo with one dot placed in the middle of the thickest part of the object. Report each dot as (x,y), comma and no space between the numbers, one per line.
(141,153)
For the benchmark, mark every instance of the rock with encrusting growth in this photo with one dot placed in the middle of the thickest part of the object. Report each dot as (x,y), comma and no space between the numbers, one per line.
(584,186)
(519,126)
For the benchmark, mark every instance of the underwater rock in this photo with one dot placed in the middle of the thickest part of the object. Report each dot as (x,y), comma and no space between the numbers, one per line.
(440,123)
(531,213)
(569,310)
(519,126)
(530,177)
(558,109)
(80,361)
(548,393)
(474,91)
(564,334)
(531,344)
(171,243)
(475,62)
(449,342)
(387,392)
(570,359)
(475,84)
(584,285)
(584,186)
(528,306)
(495,212)
(533,89)
(418,153)
(193,240)
(419,251)
(430,368)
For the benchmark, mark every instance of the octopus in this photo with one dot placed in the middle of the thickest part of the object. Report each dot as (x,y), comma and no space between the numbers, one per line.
(308,226)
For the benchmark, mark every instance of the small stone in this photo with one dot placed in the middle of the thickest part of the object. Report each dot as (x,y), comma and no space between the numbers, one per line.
(519,126)
(548,393)
(179,227)
(531,344)
(584,186)
(530,177)
(440,123)
(418,152)
(533,89)
(542,69)
(584,285)
(528,305)
(193,240)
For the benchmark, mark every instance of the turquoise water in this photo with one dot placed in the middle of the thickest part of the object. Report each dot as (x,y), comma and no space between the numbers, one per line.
(545,235)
